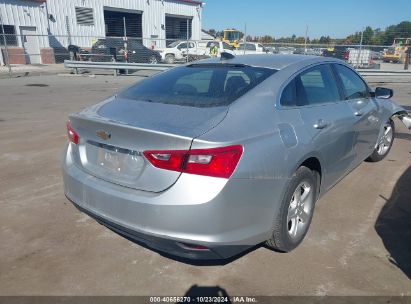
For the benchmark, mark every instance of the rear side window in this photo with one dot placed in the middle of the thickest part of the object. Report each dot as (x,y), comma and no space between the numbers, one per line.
(199,85)
(135,44)
(288,98)
(313,86)
(353,86)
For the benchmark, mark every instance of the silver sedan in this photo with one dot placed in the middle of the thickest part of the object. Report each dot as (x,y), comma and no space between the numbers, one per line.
(208,159)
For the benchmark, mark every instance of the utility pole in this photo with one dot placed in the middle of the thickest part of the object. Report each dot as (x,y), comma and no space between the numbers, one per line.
(245,37)
(305,40)
(188,28)
(124,27)
(5,46)
(359,53)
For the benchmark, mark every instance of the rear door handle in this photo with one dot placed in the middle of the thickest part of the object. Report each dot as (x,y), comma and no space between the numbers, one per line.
(358,113)
(320,124)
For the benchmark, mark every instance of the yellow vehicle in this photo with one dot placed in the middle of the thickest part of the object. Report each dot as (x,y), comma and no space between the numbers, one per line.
(397,52)
(231,37)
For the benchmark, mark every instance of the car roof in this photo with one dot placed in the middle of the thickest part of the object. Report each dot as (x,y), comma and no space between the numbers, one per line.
(273,61)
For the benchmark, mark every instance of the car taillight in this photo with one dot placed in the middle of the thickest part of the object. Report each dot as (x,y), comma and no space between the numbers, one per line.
(215,162)
(72,135)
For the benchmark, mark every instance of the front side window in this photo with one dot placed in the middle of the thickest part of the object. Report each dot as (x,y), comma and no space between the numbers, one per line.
(313,86)
(354,87)
(251,47)
(199,85)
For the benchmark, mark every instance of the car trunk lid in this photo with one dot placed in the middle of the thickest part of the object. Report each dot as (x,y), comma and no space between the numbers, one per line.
(115,133)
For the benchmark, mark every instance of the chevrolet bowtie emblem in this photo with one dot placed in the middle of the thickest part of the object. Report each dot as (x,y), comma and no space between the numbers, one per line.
(103,135)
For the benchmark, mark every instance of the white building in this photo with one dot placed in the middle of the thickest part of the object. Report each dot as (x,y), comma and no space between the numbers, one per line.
(38,29)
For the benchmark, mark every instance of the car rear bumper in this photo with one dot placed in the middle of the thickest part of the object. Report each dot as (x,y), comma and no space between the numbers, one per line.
(169,246)
(225,216)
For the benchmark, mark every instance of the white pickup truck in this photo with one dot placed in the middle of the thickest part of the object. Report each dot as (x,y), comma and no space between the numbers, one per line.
(178,50)
(250,48)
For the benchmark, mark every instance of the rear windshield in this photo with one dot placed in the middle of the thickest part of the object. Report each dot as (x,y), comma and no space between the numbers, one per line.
(199,85)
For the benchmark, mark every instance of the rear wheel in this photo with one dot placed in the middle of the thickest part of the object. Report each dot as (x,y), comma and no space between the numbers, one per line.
(153,60)
(296,211)
(384,143)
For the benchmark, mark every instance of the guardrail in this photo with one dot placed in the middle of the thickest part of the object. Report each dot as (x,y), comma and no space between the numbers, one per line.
(364,72)
(116,66)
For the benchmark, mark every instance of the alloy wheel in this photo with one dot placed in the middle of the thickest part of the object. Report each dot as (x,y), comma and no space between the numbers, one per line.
(386,139)
(299,210)
(153,60)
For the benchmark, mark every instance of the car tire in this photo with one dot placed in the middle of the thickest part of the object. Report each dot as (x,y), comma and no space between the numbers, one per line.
(296,211)
(384,143)
(153,60)
(170,58)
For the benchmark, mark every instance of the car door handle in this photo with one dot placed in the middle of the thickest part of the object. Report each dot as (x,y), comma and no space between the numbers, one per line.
(320,124)
(358,113)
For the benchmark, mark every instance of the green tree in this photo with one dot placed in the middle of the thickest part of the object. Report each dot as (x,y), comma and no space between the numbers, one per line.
(325,40)
(212,32)
(266,39)
(300,40)
(368,34)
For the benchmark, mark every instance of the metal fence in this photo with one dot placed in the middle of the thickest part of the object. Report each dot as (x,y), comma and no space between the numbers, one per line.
(51,49)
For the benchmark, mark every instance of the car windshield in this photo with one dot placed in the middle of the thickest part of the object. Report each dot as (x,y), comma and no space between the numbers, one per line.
(199,85)
(233,35)
(174,44)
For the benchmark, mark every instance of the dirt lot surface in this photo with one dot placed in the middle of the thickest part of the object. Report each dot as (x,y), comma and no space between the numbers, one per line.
(359,242)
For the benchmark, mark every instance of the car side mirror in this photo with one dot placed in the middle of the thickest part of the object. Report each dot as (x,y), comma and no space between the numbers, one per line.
(384,93)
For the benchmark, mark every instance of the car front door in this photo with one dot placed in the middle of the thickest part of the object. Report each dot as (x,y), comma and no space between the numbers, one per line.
(186,48)
(364,109)
(328,121)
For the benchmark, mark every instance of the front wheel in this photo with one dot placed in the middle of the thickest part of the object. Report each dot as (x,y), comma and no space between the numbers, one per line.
(296,211)
(385,143)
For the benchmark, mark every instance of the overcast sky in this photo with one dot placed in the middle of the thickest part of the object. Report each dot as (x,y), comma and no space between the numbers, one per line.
(323,17)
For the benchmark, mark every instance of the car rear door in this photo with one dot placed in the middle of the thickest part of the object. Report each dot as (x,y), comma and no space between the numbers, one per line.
(137,52)
(328,121)
(364,110)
